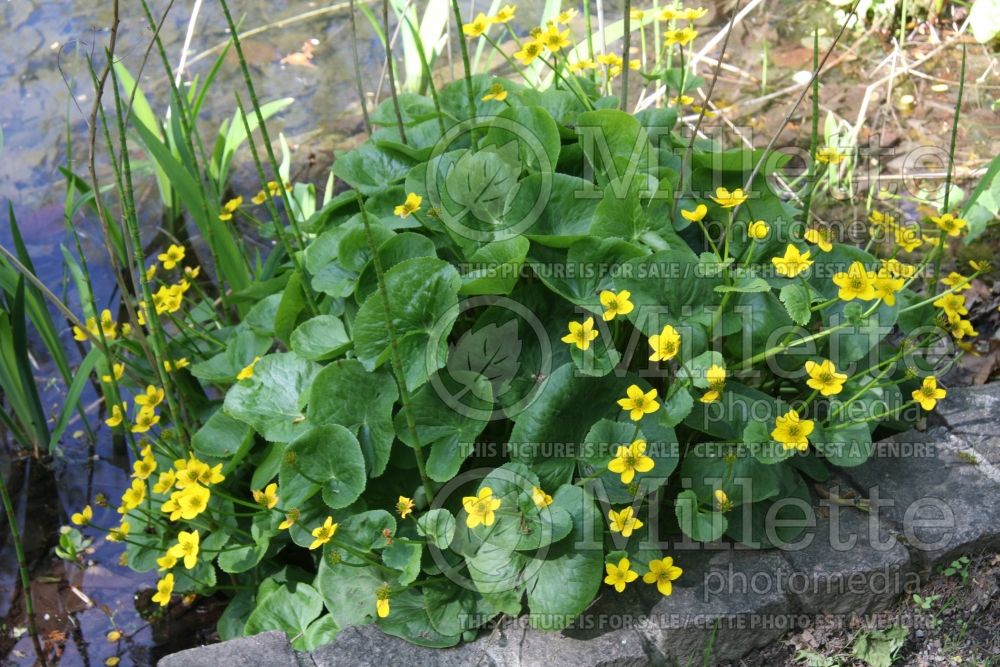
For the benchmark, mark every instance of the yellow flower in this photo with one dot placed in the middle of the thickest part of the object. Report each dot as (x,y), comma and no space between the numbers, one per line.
(824,378)
(878,219)
(409,206)
(529,52)
(268,497)
(144,467)
(505,14)
(670,14)
(117,371)
(291,518)
(382,602)
(83,517)
(188,544)
(949,223)
(189,471)
(477,27)
(229,208)
(164,587)
(581,65)
(553,39)
(820,237)
(662,572)
(885,287)
(696,215)
(404,506)
(722,501)
(829,155)
(629,460)
(929,393)
(683,37)
(581,334)
(247,371)
(165,483)
(113,635)
(955,280)
(792,432)
(639,404)
(960,328)
(980,266)
(259,198)
(692,14)
(119,533)
(191,272)
(624,522)
(540,498)
(171,366)
(620,575)
(172,257)
(616,304)
(951,304)
(117,414)
(112,661)
(906,238)
(665,344)
(758,230)
(323,534)
(716,377)
(855,283)
(496,92)
(727,199)
(792,263)
(682,100)
(166,561)
(145,419)
(637,14)
(187,503)
(481,508)
(151,398)
(211,474)
(151,272)
(898,268)
(133,496)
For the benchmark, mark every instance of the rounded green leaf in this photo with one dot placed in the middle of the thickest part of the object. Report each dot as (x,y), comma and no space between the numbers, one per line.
(326,458)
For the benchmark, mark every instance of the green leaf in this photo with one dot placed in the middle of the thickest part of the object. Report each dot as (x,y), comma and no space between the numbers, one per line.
(878,648)
(287,608)
(320,632)
(409,620)
(438,526)
(273,400)
(698,524)
(243,558)
(345,393)
(495,267)
(676,408)
(240,350)
(535,132)
(396,249)
(482,182)
(454,609)
(291,306)
(326,458)
(449,413)
(745,284)
(844,444)
(562,413)
(369,169)
(423,295)
(320,337)
(349,591)
(569,576)
(615,143)
(220,437)
(797,300)
(549,210)
(404,557)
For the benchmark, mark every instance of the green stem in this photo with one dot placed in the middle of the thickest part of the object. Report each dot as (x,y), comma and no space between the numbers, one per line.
(391,66)
(464,47)
(22,567)
(396,362)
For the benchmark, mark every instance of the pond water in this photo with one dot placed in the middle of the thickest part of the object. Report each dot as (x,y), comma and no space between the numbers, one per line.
(44,89)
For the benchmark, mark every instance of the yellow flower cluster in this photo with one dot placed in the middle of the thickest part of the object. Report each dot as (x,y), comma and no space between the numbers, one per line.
(191,478)
(107,326)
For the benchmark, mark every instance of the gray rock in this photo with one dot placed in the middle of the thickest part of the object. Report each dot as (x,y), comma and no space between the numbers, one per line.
(735,604)
(849,564)
(366,645)
(263,650)
(940,504)
(972,414)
